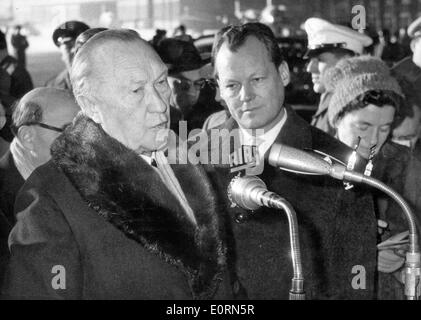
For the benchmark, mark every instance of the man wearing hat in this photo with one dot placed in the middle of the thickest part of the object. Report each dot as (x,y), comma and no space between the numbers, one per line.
(187,77)
(64,37)
(327,44)
(15,81)
(410,67)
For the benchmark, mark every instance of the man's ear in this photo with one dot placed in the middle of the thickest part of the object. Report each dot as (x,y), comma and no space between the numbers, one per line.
(413,43)
(284,73)
(90,108)
(26,135)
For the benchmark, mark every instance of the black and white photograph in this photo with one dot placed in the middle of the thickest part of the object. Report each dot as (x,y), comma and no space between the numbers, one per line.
(210,155)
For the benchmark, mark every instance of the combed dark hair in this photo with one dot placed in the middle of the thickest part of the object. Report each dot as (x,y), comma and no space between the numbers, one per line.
(24,114)
(378,98)
(3,43)
(236,36)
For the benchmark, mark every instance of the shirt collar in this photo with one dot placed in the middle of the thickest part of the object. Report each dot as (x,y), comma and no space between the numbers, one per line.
(263,140)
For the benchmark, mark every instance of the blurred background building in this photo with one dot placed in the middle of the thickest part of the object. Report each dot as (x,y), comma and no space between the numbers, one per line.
(202,15)
(40,17)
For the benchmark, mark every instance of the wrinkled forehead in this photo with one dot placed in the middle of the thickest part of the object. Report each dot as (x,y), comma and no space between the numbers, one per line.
(128,61)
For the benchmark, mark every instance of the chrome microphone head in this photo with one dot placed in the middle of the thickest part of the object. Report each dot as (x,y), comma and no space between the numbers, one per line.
(242,191)
(291,159)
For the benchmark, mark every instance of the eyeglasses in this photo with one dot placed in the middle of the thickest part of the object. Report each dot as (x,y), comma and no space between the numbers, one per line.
(39,124)
(187,84)
(45,126)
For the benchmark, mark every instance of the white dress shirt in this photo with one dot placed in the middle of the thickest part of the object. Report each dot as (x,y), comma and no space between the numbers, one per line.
(263,140)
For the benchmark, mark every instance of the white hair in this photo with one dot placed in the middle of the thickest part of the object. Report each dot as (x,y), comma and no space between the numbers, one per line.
(85,74)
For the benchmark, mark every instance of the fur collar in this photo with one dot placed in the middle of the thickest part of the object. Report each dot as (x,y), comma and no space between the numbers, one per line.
(121,187)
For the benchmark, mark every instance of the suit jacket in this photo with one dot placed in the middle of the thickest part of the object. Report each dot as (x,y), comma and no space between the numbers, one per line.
(10,183)
(398,168)
(320,119)
(4,250)
(101,213)
(337,228)
(21,81)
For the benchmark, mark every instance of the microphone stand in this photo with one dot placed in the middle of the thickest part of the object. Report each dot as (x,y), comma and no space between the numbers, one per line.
(413,258)
(250,192)
(299,161)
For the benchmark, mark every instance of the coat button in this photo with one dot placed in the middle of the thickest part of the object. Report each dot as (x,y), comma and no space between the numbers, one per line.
(241,217)
(236,287)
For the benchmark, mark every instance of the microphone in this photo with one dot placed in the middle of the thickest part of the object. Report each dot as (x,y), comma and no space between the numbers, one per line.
(300,161)
(250,192)
(295,160)
(291,159)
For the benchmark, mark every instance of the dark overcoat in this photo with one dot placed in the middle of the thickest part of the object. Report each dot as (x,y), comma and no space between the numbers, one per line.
(10,183)
(337,228)
(320,119)
(398,168)
(97,222)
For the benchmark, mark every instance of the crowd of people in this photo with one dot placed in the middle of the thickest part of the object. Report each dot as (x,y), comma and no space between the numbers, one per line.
(92,207)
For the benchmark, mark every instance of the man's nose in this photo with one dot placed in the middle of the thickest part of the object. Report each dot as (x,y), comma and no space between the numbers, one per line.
(312,66)
(246,93)
(158,102)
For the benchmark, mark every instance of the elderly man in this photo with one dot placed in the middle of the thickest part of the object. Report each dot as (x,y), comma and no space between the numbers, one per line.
(337,228)
(327,44)
(108,217)
(38,119)
(64,37)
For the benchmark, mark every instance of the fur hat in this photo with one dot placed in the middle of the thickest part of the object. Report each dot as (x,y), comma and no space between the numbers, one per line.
(352,77)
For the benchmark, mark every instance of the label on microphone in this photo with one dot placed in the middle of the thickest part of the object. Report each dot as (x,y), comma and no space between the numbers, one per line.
(246,158)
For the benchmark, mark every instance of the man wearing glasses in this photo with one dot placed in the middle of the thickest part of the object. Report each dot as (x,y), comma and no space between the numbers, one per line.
(38,119)
(193,91)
